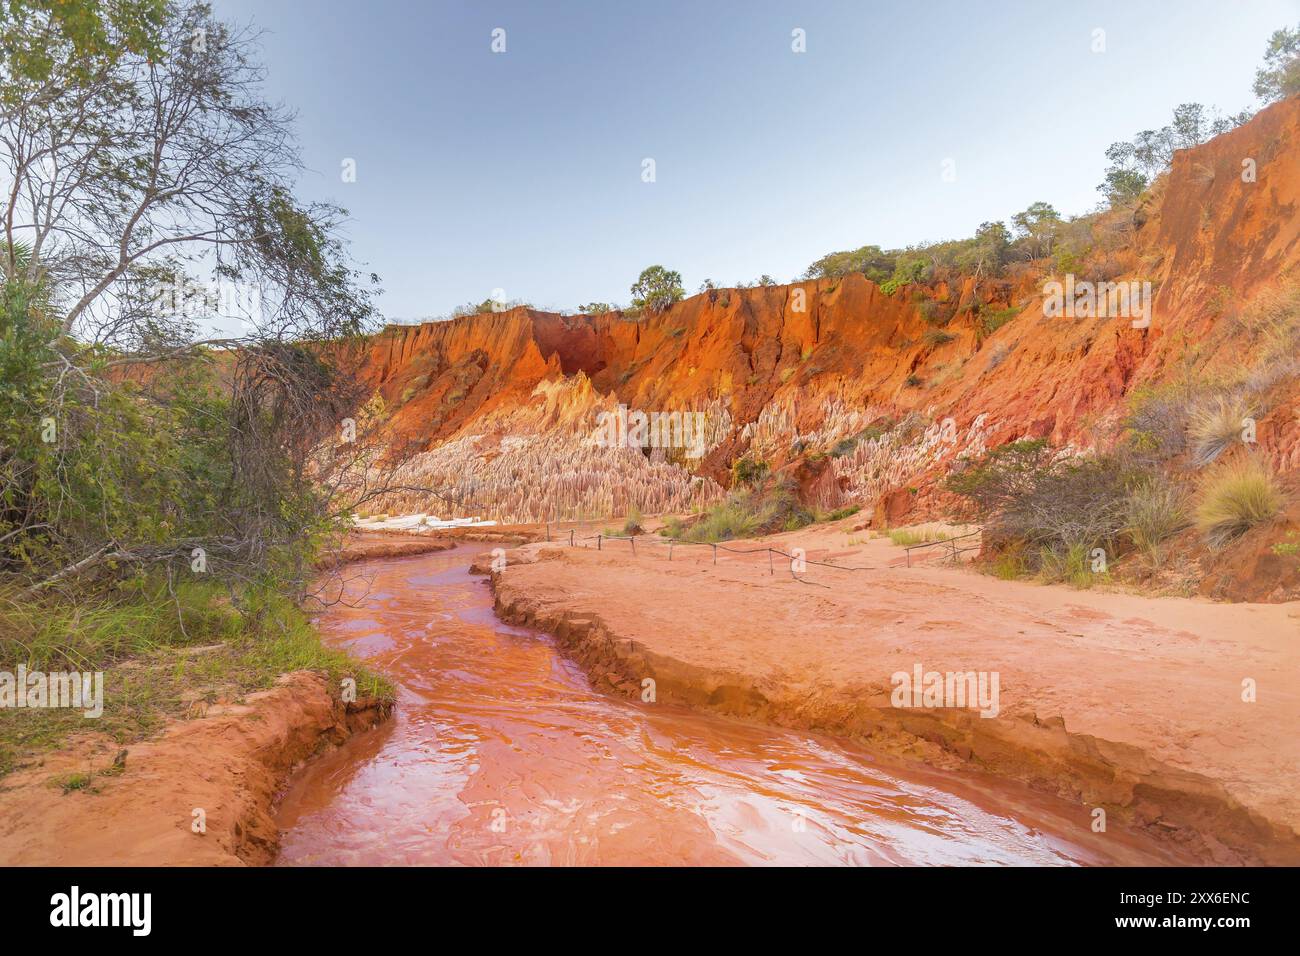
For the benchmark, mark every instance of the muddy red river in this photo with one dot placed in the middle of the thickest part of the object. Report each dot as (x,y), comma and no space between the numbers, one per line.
(500,753)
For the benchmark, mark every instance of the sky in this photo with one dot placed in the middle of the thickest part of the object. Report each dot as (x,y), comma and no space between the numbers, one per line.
(901,122)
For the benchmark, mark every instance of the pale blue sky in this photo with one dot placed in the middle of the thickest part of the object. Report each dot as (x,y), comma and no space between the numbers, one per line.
(522,170)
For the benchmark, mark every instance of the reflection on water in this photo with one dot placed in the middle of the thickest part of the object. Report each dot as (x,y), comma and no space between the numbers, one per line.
(501,753)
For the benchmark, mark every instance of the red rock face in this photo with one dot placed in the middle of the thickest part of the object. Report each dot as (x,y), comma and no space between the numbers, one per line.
(1210,242)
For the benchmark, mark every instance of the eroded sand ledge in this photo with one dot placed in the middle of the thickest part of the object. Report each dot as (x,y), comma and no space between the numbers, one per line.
(231,763)
(1107,700)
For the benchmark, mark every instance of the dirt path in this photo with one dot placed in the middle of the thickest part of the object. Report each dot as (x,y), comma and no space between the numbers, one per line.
(1129,704)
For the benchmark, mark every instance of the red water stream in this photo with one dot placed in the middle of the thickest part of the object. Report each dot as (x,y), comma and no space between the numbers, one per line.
(501,753)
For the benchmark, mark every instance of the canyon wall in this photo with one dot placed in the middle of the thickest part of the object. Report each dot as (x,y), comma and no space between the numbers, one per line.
(506,404)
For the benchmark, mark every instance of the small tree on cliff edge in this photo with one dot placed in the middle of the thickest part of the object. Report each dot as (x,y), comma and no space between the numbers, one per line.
(657,288)
(1279,77)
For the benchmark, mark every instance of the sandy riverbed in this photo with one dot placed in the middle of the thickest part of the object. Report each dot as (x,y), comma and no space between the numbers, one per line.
(1130,704)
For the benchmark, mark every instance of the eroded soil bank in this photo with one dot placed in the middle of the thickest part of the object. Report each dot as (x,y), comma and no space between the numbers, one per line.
(96,803)
(502,752)
(1108,700)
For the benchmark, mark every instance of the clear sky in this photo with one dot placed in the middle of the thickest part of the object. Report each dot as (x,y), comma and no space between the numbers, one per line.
(522,170)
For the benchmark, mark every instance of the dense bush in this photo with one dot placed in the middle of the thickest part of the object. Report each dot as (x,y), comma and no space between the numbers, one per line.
(163,482)
(746,470)
(870,261)
(1053,508)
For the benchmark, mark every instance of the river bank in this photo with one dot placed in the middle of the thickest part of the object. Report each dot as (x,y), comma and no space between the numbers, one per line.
(1130,705)
(199,794)
(201,728)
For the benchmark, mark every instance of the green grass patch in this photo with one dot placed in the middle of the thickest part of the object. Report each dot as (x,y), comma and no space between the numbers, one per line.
(990,320)
(160,653)
(906,537)
(767,508)
(838,513)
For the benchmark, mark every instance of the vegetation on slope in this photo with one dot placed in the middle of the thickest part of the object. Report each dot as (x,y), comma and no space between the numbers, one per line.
(164,485)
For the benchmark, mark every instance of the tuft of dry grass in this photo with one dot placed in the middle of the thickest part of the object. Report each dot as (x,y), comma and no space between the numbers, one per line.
(1215,426)
(1155,511)
(1235,498)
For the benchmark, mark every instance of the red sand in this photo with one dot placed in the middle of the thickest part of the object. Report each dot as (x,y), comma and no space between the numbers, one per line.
(1128,703)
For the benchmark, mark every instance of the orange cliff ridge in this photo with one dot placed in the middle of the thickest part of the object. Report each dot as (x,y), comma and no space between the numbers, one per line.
(507,402)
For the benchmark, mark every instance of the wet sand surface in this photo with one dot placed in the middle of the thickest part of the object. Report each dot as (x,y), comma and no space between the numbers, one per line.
(501,753)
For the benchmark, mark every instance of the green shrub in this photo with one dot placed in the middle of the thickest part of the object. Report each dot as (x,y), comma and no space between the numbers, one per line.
(1157,420)
(1023,494)
(747,470)
(991,319)
(937,337)
(871,261)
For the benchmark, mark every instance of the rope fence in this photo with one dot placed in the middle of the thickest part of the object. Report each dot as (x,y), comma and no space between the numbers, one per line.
(953,550)
(600,538)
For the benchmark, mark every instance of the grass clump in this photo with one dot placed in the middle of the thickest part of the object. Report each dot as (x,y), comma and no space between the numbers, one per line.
(1010,562)
(1155,511)
(906,537)
(631,525)
(838,513)
(1215,427)
(1235,498)
(1072,565)
(767,508)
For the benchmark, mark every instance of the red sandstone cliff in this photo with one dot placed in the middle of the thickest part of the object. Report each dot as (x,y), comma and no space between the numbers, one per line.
(814,361)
